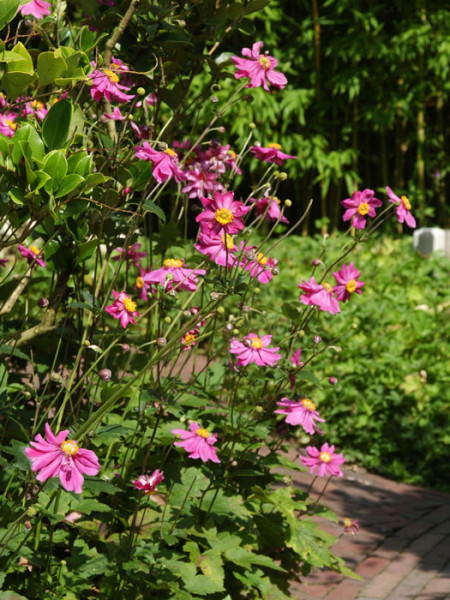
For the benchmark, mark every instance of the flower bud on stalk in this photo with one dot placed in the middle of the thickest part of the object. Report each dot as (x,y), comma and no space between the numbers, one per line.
(43,302)
(105,374)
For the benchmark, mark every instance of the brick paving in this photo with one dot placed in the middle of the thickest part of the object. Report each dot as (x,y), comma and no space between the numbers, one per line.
(402,550)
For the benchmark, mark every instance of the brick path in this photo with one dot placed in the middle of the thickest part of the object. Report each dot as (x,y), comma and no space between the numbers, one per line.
(402,550)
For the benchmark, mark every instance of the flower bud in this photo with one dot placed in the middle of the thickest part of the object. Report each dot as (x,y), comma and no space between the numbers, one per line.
(56,378)
(251,125)
(140,91)
(288,203)
(105,374)
(259,409)
(214,296)
(257,290)
(43,302)
(229,326)
(283,176)
(315,262)
(247,342)
(317,339)
(31,512)
(221,129)
(220,310)
(214,99)
(354,325)
(126,347)
(301,333)
(161,341)
(235,331)
(332,380)
(275,271)
(167,320)
(245,308)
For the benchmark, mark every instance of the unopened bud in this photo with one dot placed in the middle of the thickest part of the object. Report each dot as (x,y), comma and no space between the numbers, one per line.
(214,99)
(63,562)
(221,129)
(301,333)
(283,176)
(247,342)
(354,325)
(235,331)
(288,203)
(245,308)
(43,302)
(257,290)
(31,512)
(140,91)
(56,378)
(229,326)
(105,374)
(251,125)
(315,262)
(259,409)
(332,380)
(317,339)
(167,320)
(161,341)
(220,310)
(125,347)
(214,296)
(275,271)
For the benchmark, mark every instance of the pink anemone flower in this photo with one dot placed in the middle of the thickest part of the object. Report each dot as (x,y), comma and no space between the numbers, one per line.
(347,282)
(174,276)
(358,206)
(141,285)
(259,68)
(403,209)
(269,206)
(36,8)
(303,412)
(123,308)
(105,84)
(198,442)
(271,154)
(319,294)
(130,253)
(262,267)
(8,124)
(222,214)
(351,527)
(32,254)
(218,248)
(254,349)
(59,457)
(165,163)
(325,460)
(295,358)
(148,483)
(189,339)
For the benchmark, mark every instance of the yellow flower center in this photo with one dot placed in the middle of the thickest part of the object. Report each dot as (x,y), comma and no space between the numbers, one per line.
(34,250)
(347,522)
(173,263)
(232,153)
(264,62)
(351,286)
(327,287)
(224,216)
(170,152)
(129,305)
(308,404)
(261,258)
(11,124)
(274,145)
(36,104)
(111,75)
(275,199)
(406,202)
(363,208)
(257,343)
(325,457)
(227,241)
(188,339)
(69,447)
(139,282)
(202,432)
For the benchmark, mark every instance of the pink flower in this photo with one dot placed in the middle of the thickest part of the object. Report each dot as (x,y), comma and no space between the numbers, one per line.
(32,254)
(358,206)
(189,340)
(303,412)
(218,248)
(351,527)
(8,124)
(271,154)
(319,294)
(255,349)
(273,213)
(164,163)
(116,115)
(148,483)
(261,267)
(141,285)
(295,358)
(222,214)
(37,8)
(259,68)
(130,253)
(325,460)
(105,84)
(36,108)
(123,308)
(347,279)
(403,210)
(174,276)
(58,457)
(198,442)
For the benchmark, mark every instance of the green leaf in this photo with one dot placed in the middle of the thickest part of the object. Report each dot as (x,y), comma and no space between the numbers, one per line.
(245,558)
(86,250)
(99,485)
(8,10)
(290,310)
(49,67)
(95,179)
(68,184)
(56,125)
(20,459)
(55,164)
(34,147)
(17,195)
(12,351)
(9,595)
(153,208)
(16,82)
(89,506)
(210,564)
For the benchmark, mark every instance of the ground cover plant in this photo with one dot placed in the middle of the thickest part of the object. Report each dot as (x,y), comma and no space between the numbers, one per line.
(143,379)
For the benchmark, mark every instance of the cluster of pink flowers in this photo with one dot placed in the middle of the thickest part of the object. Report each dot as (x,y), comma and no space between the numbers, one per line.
(327,297)
(106,83)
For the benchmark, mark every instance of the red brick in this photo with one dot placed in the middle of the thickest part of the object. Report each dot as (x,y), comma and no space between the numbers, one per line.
(409,587)
(442,513)
(347,590)
(392,575)
(425,543)
(438,585)
(413,530)
(371,567)
(316,590)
